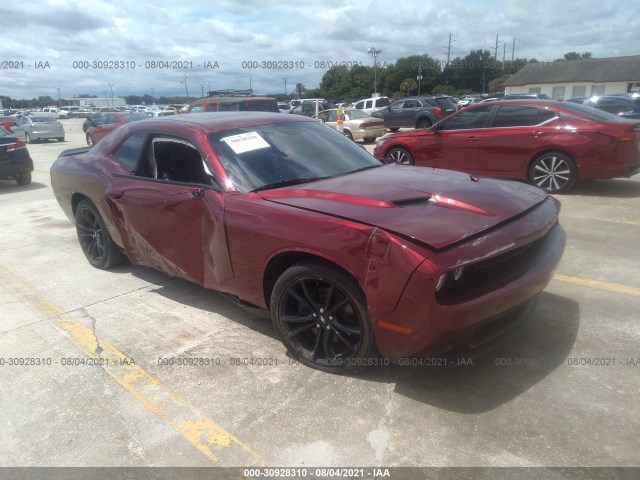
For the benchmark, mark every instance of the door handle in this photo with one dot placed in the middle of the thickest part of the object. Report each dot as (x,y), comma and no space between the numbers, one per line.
(537,133)
(473,139)
(198,194)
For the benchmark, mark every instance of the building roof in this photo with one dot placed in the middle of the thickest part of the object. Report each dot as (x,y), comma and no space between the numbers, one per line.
(596,70)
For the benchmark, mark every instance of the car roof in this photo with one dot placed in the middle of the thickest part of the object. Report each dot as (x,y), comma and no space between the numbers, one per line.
(218,121)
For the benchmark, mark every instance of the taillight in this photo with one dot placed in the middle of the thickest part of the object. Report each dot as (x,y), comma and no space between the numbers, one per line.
(437,111)
(16,146)
(621,136)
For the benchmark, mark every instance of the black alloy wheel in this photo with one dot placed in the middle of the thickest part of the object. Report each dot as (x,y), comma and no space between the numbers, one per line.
(94,238)
(553,172)
(320,314)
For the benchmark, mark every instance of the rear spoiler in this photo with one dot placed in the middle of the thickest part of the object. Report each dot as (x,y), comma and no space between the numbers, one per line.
(74,151)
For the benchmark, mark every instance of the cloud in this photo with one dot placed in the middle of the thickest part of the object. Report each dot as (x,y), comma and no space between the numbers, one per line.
(232,33)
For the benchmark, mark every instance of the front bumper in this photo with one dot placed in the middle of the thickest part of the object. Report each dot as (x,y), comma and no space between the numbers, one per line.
(420,326)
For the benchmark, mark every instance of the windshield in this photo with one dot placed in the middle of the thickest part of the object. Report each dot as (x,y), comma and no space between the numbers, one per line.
(134,117)
(42,119)
(591,113)
(262,155)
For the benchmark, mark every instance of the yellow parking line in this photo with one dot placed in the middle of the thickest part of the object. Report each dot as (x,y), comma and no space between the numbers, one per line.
(220,446)
(202,432)
(602,219)
(600,285)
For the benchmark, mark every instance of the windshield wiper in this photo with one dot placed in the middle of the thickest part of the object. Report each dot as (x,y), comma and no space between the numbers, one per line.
(366,168)
(285,183)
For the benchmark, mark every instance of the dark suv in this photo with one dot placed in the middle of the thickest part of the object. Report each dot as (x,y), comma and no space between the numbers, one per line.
(625,106)
(415,112)
(233,101)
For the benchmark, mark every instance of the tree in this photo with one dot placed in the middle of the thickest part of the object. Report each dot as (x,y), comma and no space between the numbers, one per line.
(407,86)
(575,56)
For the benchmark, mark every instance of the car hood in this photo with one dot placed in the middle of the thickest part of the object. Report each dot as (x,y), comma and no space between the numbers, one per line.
(431,206)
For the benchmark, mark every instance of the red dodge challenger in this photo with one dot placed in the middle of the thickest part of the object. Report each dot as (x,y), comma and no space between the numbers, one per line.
(353,258)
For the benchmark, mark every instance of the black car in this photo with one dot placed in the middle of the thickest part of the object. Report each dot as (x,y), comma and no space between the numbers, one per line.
(624,106)
(308,108)
(415,112)
(15,161)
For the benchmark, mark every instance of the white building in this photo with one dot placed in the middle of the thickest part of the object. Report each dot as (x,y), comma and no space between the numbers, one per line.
(578,78)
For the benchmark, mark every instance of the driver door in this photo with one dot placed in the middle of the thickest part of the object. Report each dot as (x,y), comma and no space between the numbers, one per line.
(167,208)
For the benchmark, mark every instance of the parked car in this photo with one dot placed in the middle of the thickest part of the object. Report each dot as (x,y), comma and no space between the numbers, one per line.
(308,108)
(468,100)
(36,127)
(623,106)
(284,107)
(415,112)
(51,111)
(91,120)
(358,125)
(551,144)
(233,101)
(15,161)
(7,122)
(350,256)
(370,105)
(106,123)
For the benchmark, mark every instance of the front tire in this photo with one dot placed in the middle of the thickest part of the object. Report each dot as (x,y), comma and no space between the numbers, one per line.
(400,156)
(321,317)
(95,240)
(554,172)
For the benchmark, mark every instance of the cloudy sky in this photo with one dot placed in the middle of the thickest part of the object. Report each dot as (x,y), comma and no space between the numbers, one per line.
(231,36)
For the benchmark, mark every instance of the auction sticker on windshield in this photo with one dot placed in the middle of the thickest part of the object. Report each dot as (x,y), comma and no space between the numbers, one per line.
(245,142)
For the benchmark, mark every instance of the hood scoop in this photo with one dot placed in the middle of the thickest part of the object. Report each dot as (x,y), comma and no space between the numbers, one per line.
(442,201)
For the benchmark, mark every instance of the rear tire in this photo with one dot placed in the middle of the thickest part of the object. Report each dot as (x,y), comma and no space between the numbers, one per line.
(347,134)
(95,240)
(24,178)
(554,172)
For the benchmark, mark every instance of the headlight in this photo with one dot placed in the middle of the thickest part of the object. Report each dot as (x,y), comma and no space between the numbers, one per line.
(457,273)
(442,281)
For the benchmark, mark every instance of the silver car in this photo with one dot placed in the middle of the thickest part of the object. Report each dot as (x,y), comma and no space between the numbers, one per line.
(36,127)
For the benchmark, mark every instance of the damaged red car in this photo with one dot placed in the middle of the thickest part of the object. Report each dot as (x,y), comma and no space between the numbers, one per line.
(354,259)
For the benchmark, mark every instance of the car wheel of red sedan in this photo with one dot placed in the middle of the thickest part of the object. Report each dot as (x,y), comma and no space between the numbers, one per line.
(321,317)
(94,238)
(89,140)
(554,172)
(401,156)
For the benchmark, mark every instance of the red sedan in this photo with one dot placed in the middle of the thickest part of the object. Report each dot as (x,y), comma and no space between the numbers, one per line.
(550,144)
(7,122)
(105,123)
(350,256)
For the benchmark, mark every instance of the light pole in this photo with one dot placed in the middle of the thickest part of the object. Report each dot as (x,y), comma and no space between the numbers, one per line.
(375,52)
(285,85)
(153,97)
(202,89)
(208,87)
(106,98)
(419,77)
(184,80)
(111,85)
(59,99)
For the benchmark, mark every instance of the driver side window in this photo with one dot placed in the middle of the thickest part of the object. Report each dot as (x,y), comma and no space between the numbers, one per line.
(175,160)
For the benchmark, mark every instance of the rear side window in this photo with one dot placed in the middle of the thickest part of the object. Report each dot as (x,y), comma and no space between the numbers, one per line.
(211,107)
(468,118)
(521,116)
(128,154)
